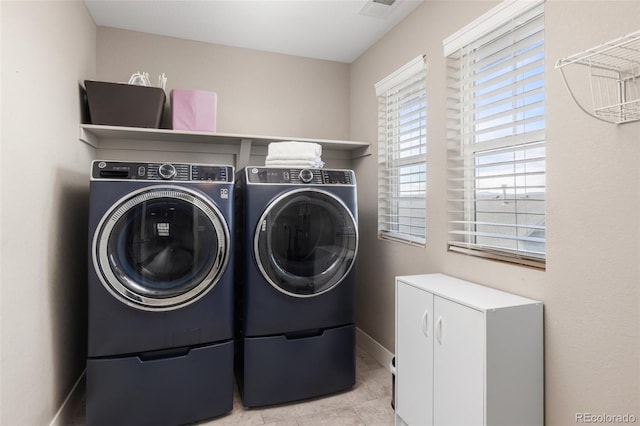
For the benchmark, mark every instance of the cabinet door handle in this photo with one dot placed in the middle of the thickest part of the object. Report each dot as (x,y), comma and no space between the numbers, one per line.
(439,330)
(425,323)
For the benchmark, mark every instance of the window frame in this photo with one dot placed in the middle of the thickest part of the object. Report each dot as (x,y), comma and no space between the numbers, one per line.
(402,154)
(463,146)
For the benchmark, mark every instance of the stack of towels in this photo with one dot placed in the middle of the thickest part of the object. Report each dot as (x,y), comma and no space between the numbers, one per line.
(294,154)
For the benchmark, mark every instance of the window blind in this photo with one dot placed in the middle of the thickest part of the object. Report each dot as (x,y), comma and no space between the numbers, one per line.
(402,149)
(496,140)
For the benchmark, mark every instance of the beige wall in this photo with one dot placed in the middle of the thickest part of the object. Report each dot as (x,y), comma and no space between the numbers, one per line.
(590,288)
(258,92)
(48,48)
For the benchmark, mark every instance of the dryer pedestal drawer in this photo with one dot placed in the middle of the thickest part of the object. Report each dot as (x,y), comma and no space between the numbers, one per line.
(165,391)
(278,369)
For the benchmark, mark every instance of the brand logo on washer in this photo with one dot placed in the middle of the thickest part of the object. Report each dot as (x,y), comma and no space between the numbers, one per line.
(102,165)
(224,193)
(254,170)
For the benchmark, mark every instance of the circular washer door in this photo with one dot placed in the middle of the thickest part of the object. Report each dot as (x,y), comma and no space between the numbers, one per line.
(161,248)
(306,242)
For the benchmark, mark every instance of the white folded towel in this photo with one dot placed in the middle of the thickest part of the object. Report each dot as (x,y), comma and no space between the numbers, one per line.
(303,164)
(294,148)
(285,157)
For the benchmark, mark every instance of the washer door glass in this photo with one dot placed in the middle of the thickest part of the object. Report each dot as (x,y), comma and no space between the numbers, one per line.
(161,248)
(306,242)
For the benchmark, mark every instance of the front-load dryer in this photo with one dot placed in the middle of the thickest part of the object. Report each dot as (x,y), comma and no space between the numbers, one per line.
(160,311)
(296,283)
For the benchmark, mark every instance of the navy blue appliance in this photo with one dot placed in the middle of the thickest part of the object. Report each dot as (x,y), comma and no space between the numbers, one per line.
(296,283)
(160,334)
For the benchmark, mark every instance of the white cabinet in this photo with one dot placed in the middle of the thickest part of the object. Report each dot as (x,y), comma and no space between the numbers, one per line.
(466,354)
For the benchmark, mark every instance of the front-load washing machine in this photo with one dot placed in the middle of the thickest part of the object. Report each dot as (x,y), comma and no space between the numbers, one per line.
(295,283)
(160,311)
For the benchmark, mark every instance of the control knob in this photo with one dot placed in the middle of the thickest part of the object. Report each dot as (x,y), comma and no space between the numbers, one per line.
(167,171)
(306,175)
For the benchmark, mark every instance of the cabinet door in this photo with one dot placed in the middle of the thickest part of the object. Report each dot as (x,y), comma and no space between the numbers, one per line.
(414,355)
(458,364)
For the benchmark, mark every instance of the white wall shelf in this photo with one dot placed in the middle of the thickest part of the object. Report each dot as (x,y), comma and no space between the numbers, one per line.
(115,137)
(613,70)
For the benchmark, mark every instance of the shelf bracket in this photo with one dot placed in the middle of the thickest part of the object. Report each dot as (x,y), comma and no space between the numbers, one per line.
(361,152)
(243,156)
(88,137)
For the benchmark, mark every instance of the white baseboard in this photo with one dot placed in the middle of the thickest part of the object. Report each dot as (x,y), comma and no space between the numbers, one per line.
(373,348)
(61,415)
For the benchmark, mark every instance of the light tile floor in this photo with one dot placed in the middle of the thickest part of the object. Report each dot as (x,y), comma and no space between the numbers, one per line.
(368,403)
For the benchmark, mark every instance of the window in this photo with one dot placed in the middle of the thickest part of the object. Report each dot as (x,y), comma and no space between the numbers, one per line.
(496,135)
(402,150)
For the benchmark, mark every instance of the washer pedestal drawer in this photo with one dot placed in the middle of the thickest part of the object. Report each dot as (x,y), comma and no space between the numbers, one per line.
(173,390)
(279,369)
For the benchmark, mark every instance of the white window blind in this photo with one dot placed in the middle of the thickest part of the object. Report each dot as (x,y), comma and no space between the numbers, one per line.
(496,138)
(402,149)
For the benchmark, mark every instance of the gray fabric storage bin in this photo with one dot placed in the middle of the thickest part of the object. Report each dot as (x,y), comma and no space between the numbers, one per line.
(117,104)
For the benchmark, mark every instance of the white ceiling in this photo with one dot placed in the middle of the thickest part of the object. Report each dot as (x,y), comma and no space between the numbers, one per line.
(333,30)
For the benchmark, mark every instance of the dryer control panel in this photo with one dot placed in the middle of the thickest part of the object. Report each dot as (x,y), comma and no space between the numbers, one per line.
(274,175)
(183,172)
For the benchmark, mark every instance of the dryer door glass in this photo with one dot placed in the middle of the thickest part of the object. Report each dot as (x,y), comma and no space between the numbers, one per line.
(162,248)
(306,242)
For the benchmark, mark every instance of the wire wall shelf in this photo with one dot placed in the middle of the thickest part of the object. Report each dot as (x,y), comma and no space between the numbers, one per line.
(613,71)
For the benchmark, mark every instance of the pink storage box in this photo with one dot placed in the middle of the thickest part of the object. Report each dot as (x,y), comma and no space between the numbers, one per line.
(194,110)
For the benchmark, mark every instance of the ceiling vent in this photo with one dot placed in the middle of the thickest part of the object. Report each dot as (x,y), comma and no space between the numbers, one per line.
(377,8)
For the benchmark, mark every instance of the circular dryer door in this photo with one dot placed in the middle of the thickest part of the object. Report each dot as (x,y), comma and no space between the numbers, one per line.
(306,242)
(161,248)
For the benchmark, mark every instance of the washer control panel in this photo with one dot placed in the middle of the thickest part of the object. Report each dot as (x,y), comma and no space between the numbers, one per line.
(184,172)
(273,175)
